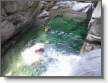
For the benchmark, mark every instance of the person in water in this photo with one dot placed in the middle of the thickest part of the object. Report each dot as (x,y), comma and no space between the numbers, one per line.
(46,29)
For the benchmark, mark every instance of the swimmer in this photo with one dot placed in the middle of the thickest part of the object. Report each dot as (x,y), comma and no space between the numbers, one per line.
(46,29)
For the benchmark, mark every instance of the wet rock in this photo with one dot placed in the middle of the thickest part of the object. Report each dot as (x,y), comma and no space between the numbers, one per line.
(87,46)
(74,5)
(44,13)
(97,11)
(55,7)
(76,16)
(89,64)
(68,13)
(65,4)
(81,6)
(95,31)
(72,9)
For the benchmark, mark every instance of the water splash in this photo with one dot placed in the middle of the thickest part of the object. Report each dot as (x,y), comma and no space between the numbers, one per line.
(61,64)
(30,55)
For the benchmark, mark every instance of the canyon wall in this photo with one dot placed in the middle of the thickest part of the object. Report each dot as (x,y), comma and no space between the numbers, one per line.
(94,36)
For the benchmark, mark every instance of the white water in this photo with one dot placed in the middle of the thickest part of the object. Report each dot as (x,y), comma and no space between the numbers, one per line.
(61,64)
(30,56)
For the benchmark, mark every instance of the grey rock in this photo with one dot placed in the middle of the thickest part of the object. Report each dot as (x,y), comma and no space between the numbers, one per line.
(97,11)
(95,31)
(7,30)
(96,27)
(3,13)
(44,13)
(89,64)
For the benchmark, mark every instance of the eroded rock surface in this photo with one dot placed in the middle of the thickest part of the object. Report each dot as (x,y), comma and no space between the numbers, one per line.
(93,39)
(7,30)
(13,15)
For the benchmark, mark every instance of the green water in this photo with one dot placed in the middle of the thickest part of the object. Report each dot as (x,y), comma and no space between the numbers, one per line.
(64,35)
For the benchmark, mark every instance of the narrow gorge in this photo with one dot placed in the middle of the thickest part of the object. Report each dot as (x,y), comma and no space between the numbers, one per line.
(51,38)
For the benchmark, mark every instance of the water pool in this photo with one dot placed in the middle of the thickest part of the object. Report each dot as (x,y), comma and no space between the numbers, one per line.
(62,42)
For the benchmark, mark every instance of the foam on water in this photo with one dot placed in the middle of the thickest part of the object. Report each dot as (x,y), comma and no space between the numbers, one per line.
(30,56)
(87,65)
(59,64)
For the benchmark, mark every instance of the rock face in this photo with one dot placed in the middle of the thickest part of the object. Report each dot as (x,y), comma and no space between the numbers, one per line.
(74,6)
(93,39)
(7,30)
(19,12)
(89,64)
(15,6)
(14,14)
(69,9)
